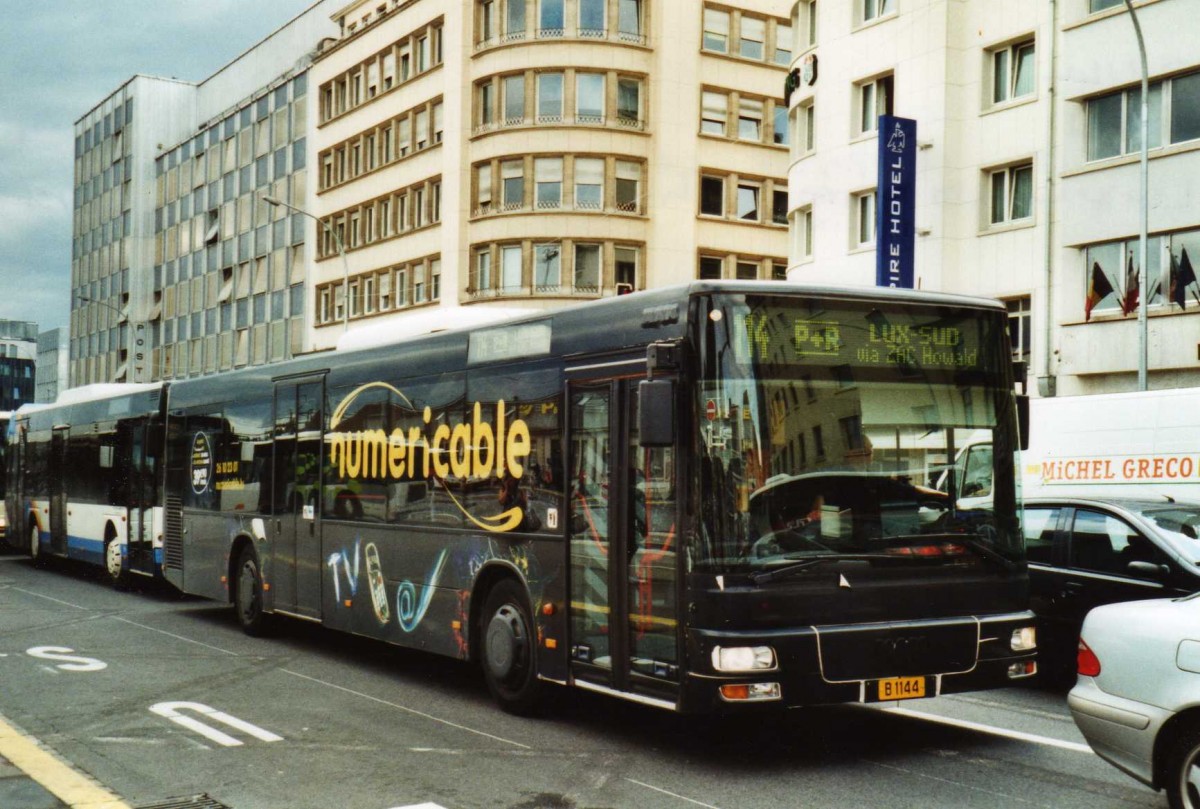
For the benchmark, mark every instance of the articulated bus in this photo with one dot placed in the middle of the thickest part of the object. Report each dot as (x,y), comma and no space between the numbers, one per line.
(699,498)
(84,478)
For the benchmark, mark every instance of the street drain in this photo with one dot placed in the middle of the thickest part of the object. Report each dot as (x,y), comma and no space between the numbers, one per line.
(190,802)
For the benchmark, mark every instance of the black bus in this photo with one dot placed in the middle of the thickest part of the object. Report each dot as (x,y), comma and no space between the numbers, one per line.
(698,498)
(84,480)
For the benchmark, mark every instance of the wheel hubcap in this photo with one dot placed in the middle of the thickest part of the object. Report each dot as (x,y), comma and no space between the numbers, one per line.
(247,591)
(113,556)
(1191,780)
(507,643)
(35,540)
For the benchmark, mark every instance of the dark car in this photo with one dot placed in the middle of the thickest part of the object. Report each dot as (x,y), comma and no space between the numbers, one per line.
(1088,551)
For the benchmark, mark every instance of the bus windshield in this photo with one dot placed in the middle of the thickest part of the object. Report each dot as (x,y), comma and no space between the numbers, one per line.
(829,429)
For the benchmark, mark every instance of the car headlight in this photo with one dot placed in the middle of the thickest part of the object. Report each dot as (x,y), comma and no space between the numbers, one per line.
(1023,639)
(743,658)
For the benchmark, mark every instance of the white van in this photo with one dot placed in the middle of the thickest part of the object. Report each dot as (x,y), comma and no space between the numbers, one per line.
(1142,444)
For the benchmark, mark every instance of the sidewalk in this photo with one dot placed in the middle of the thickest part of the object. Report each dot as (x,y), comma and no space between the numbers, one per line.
(19,791)
(31,777)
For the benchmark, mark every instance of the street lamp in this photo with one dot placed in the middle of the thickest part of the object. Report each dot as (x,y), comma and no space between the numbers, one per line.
(1143,339)
(337,240)
(139,329)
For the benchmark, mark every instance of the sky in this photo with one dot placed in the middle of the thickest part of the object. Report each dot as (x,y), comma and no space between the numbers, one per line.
(58,60)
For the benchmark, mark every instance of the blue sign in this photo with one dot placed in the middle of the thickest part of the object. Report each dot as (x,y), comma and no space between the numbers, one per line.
(896,202)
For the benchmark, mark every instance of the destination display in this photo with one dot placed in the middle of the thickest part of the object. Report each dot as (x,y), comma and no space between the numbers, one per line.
(895,340)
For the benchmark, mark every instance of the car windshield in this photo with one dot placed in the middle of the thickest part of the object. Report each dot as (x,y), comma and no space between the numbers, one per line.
(1179,523)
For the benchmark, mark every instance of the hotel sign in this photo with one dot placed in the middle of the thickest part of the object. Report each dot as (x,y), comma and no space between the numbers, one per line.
(895,202)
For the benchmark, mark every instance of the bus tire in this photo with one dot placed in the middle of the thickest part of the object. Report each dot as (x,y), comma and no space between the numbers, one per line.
(113,562)
(35,545)
(248,594)
(509,649)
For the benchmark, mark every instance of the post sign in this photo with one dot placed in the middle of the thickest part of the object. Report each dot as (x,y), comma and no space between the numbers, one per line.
(895,202)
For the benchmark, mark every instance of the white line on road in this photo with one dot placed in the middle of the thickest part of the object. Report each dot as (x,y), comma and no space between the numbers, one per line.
(995,731)
(50,598)
(671,794)
(406,709)
(177,637)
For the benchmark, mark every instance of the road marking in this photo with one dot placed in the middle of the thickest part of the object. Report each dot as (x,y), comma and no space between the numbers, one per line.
(69,786)
(176,637)
(406,709)
(671,794)
(50,598)
(420,806)
(171,710)
(991,729)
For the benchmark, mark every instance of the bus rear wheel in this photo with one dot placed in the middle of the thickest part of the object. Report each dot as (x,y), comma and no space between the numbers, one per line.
(35,545)
(509,652)
(248,594)
(114,563)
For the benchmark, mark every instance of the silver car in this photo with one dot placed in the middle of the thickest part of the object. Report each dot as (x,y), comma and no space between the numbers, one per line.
(1137,699)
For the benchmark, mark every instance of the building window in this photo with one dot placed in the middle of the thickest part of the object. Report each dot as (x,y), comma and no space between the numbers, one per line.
(710,268)
(807,18)
(753,35)
(547,266)
(483,181)
(864,219)
(548,176)
(716,30)
(1013,69)
(514,21)
(483,269)
(629,20)
(549,97)
(1100,5)
(874,99)
(625,263)
(1115,122)
(514,99)
(510,267)
(591,18)
(1011,192)
(587,268)
(779,205)
(783,45)
(1020,335)
(629,101)
(628,186)
(589,98)
(750,114)
(808,135)
(780,134)
(748,201)
(712,196)
(874,9)
(1113,277)
(550,18)
(713,113)
(512,176)
(589,183)
(802,233)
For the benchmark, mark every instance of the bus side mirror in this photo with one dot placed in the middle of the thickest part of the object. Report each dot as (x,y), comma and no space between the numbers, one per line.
(656,413)
(1023,419)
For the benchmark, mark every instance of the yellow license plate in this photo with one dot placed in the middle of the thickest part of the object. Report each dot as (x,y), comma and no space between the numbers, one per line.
(902,688)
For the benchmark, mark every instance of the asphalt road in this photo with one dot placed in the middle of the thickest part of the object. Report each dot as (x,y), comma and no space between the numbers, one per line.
(157,696)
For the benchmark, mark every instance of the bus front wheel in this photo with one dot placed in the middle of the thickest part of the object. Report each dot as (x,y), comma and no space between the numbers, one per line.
(509,653)
(248,594)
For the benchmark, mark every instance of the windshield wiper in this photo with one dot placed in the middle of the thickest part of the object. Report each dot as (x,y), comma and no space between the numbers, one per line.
(764,576)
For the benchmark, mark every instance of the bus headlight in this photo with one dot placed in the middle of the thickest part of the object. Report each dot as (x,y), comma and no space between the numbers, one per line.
(743,658)
(1024,639)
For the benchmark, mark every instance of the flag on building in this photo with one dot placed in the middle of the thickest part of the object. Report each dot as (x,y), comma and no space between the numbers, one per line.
(1181,279)
(1099,288)
(1130,302)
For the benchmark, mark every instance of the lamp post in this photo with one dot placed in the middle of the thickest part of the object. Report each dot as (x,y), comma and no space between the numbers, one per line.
(337,240)
(139,338)
(1143,338)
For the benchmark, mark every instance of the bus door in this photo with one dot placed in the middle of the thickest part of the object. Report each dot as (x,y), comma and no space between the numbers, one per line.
(57,472)
(143,467)
(295,571)
(623,546)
